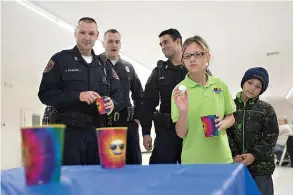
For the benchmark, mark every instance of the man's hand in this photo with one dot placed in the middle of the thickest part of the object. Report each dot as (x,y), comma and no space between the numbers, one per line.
(237,158)
(88,96)
(248,158)
(147,142)
(109,105)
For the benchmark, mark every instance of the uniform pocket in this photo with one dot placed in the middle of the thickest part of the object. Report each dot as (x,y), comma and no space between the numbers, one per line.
(73,76)
(75,81)
(125,83)
(162,81)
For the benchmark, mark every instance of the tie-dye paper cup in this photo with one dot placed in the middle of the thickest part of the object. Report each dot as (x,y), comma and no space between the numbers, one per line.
(101,101)
(42,152)
(112,146)
(209,126)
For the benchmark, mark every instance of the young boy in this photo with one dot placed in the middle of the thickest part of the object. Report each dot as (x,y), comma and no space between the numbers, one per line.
(253,136)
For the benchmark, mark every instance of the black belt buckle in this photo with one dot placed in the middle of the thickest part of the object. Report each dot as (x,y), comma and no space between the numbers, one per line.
(116,116)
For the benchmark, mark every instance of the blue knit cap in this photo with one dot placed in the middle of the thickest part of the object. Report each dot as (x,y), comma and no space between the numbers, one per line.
(257,73)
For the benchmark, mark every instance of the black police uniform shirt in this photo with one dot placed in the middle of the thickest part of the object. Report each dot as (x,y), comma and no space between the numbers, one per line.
(159,88)
(130,83)
(67,74)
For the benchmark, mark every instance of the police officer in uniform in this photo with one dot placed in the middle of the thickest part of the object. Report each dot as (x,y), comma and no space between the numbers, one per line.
(158,89)
(163,79)
(128,115)
(71,83)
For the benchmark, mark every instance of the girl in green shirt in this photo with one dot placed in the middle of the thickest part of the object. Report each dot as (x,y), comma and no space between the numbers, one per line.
(204,111)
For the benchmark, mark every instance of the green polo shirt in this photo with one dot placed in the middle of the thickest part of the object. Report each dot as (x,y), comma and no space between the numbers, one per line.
(212,99)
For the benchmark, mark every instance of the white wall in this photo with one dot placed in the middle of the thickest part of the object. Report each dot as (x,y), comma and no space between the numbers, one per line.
(16,94)
(1,84)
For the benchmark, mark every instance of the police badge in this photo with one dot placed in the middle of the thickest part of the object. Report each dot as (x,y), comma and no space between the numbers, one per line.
(127,69)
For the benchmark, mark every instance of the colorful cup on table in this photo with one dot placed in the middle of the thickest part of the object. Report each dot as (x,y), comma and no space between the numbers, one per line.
(112,146)
(42,153)
(101,101)
(209,125)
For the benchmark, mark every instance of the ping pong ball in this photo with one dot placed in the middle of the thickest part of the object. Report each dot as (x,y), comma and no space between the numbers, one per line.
(182,88)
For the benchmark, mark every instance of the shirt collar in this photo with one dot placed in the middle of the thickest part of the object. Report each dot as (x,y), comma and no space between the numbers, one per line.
(190,83)
(77,52)
(78,56)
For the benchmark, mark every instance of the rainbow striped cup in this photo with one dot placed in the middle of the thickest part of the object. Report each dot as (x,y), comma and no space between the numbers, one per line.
(209,127)
(42,152)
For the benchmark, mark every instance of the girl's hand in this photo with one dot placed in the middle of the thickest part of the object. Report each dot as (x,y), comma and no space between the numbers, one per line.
(181,100)
(220,123)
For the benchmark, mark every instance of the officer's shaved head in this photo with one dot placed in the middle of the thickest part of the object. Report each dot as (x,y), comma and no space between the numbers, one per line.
(86,20)
(111,31)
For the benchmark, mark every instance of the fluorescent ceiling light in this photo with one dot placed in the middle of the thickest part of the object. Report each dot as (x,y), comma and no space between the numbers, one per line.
(289,93)
(141,70)
(65,25)
(36,9)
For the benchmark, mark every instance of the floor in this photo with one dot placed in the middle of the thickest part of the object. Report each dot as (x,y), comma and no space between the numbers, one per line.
(283,178)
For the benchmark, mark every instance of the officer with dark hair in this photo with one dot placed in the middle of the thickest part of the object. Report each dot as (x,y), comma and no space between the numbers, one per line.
(163,79)
(72,81)
(158,89)
(128,115)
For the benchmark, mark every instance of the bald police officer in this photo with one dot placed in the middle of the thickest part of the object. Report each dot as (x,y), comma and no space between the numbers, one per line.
(129,115)
(72,81)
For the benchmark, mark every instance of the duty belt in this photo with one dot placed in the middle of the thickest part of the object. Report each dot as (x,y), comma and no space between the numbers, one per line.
(125,114)
(76,119)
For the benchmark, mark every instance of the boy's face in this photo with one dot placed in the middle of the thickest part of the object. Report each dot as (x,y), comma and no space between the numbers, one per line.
(252,88)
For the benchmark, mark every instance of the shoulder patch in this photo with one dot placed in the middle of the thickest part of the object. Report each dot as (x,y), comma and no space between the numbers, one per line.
(49,66)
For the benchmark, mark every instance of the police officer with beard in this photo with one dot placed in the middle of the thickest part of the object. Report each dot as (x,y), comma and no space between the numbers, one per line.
(129,115)
(158,89)
(72,81)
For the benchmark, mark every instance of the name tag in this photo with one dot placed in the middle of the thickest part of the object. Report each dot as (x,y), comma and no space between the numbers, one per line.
(72,70)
